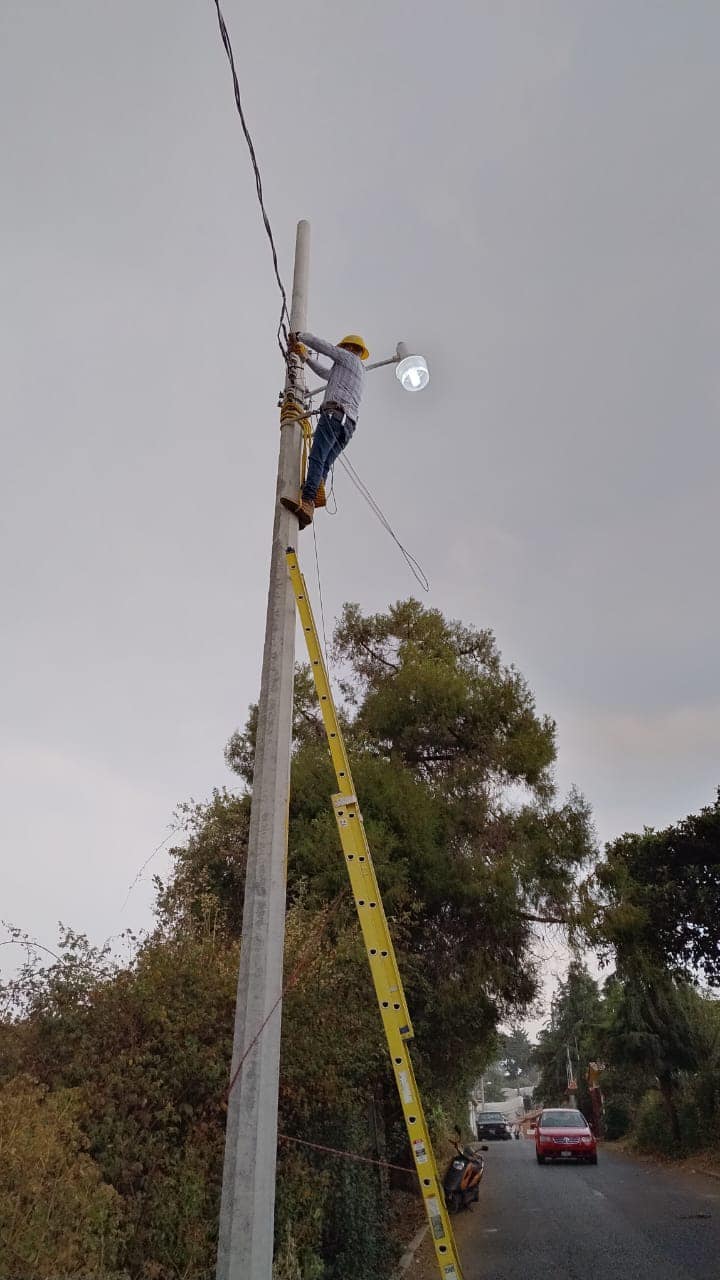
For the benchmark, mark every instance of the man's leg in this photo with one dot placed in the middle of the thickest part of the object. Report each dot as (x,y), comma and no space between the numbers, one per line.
(324,441)
(343,435)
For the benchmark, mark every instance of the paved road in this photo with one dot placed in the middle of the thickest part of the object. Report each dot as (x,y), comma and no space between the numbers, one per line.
(620,1220)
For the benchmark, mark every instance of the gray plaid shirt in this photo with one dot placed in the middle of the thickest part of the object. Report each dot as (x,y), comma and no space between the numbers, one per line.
(345,377)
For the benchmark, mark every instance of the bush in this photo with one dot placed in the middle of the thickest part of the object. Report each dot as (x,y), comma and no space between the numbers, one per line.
(57,1216)
(690,1124)
(289,1266)
(618,1119)
(705,1093)
(355,1228)
(652,1127)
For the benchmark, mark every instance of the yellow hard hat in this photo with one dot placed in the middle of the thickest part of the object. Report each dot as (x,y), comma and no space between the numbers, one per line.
(354,340)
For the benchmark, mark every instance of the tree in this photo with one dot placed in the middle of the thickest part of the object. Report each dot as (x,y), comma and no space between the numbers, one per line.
(653,1026)
(495,1083)
(575,1016)
(659,917)
(516,1054)
(453,767)
(660,896)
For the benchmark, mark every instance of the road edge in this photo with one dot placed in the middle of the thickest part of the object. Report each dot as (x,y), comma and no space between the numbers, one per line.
(409,1255)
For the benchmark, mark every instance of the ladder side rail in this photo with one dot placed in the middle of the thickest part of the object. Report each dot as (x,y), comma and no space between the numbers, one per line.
(336,742)
(378,942)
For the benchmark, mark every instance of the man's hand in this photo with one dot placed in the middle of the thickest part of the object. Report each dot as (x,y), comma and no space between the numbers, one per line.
(296,347)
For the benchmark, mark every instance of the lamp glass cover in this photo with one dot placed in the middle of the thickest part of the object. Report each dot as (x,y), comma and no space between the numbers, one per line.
(412,373)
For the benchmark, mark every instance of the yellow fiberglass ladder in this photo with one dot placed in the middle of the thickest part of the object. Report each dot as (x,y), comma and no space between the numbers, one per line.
(380,952)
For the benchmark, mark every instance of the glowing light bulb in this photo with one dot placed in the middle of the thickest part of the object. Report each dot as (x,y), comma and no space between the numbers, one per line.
(412,373)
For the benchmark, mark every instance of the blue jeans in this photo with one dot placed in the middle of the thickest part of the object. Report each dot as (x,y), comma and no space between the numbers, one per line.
(330,438)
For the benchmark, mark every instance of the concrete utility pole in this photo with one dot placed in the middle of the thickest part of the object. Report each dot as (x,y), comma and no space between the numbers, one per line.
(245,1247)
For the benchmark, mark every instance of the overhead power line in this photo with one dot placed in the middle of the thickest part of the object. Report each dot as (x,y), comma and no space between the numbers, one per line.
(284,313)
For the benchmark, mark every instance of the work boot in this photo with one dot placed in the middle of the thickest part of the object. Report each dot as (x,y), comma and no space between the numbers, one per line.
(303,508)
(306,512)
(320,496)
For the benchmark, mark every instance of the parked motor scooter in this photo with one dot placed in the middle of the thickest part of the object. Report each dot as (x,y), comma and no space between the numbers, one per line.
(463,1177)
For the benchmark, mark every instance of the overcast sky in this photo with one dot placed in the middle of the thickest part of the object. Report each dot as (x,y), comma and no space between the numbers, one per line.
(526,192)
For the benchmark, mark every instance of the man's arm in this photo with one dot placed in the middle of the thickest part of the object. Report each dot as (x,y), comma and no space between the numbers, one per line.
(336,354)
(318,368)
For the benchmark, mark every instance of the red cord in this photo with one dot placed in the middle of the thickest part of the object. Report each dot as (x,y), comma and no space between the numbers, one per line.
(349,1155)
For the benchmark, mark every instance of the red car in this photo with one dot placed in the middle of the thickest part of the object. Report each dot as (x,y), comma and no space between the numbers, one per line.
(564,1134)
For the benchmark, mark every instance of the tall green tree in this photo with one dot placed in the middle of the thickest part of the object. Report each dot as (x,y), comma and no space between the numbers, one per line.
(660,896)
(575,1017)
(453,767)
(653,1026)
(658,918)
(516,1057)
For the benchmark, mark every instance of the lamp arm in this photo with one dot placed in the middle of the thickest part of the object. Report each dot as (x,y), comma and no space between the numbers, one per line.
(379,364)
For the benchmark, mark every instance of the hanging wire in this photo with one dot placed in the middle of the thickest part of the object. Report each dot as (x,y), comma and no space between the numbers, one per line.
(284,313)
(331,495)
(282,333)
(415,568)
(322,606)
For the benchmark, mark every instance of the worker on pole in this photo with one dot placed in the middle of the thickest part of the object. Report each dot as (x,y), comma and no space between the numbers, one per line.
(338,415)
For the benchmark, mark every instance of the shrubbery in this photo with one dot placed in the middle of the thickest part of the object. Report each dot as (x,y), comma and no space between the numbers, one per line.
(57,1215)
(652,1131)
(618,1118)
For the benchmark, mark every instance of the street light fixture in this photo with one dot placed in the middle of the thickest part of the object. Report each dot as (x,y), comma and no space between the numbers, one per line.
(412,373)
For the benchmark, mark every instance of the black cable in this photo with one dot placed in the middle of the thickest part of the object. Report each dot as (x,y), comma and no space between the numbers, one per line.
(284,313)
(334,510)
(415,568)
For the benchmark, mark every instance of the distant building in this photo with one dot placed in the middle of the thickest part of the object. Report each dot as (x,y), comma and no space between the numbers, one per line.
(512,1105)
(529,1119)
